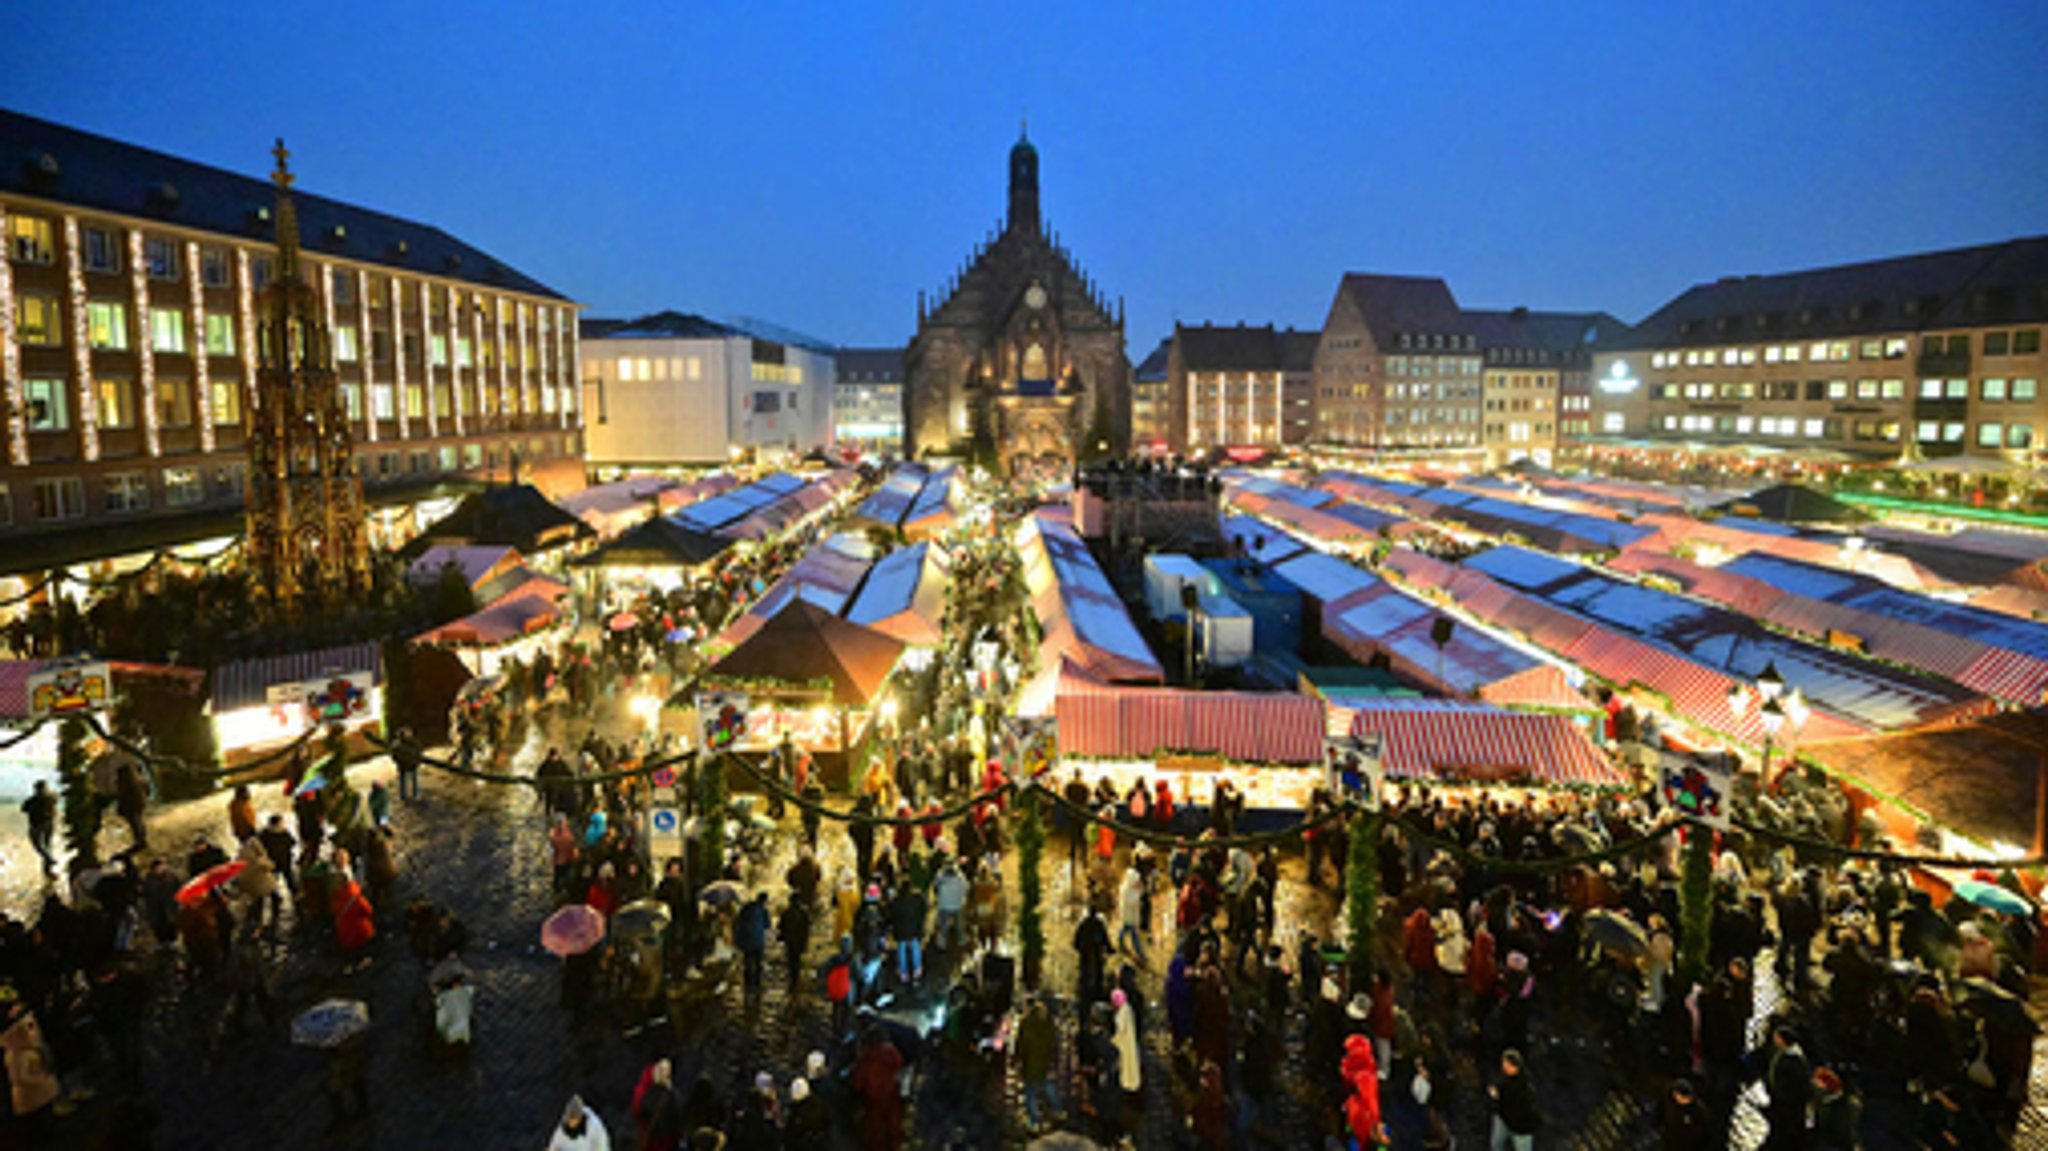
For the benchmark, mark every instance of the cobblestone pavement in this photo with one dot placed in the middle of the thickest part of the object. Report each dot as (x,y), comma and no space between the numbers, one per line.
(478,849)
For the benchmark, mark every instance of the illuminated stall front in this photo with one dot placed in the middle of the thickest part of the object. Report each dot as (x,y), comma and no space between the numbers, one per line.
(814,677)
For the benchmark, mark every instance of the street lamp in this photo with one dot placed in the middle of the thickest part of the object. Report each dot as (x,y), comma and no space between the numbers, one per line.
(1770,683)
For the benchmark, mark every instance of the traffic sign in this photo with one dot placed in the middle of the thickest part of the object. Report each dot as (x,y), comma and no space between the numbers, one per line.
(664,831)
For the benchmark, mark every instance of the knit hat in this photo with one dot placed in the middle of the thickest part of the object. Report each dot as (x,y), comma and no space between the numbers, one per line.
(799,1089)
(1360,1008)
(874,891)
(1117,998)
(573,1111)
(764,1083)
(1517,961)
(1331,991)
(814,1065)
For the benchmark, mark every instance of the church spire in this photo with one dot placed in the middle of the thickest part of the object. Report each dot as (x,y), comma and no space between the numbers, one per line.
(1023,184)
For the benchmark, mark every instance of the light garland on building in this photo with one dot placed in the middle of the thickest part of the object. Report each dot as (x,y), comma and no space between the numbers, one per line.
(81,347)
(401,402)
(10,359)
(427,361)
(571,397)
(364,360)
(454,360)
(245,300)
(202,383)
(504,361)
(145,349)
(476,358)
(525,396)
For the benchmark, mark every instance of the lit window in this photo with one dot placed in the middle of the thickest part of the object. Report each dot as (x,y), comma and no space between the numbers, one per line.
(440,350)
(30,239)
(1612,422)
(183,487)
(1958,390)
(1952,433)
(1990,435)
(1812,429)
(116,410)
(415,401)
(2023,390)
(380,401)
(1895,348)
(346,349)
(226,402)
(220,334)
(173,402)
(107,325)
(167,330)
(2019,435)
(37,320)
(1791,353)
(1993,390)
(447,459)
(1838,389)
(1744,425)
(1930,389)
(1894,389)
(1927,431)
(1866,389)
(48,403)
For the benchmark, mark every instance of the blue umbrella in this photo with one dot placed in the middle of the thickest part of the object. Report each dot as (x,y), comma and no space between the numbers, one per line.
(331,1023)
(1992,897)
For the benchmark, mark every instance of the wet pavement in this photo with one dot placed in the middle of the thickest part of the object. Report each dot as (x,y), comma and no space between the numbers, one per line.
(479,849)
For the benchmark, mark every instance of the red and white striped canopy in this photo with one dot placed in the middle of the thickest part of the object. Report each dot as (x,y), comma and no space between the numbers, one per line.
(1435,739)
(1138,723)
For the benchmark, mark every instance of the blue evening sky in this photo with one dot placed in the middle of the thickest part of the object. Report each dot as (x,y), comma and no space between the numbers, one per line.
(815,164)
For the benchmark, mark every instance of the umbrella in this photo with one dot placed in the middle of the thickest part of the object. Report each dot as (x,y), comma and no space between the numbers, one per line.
(624,621)
(1986,895)
(1616,933)
(206,882)
(332,1023)
(722,893)
(573,930)
(641,917)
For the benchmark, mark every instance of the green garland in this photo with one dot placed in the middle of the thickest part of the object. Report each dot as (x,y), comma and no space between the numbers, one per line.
(81,806)
(1030,852)
(1696,903)
(1362,888)
(711,792)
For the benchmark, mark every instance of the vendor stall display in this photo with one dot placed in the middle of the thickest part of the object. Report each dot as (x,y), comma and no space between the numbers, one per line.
(260,704)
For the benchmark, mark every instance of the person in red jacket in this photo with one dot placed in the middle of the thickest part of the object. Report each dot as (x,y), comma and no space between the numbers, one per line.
(881,1095)
(1162,805)
(1418,943)
(354,927)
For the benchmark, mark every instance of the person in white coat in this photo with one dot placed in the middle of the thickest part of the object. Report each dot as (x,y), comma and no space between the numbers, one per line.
(1130,1072)
(1131,915)
(580,1130)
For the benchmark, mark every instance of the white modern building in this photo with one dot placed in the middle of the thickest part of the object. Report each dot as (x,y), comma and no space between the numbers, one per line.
(678,389)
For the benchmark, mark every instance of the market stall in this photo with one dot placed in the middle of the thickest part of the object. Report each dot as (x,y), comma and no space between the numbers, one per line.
(1443,740)
(260,704)
(526,619)
(905,595)
(813,676)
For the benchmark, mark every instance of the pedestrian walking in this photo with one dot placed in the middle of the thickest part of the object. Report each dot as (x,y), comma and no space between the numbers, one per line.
(1131,922)
(750,936)
(41,809)
(580,1129)
(657,1111)
(242,814)
(405,755)
(793,928)
(881,1095)
(1516,1116)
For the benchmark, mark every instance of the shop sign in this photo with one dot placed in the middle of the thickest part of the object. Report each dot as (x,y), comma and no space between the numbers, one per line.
(70,688)
(1697,788)
(721,719)
(664,831)
(1355,764)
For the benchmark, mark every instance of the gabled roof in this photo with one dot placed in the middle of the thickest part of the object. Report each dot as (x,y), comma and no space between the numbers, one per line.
(1989,284)
(516,515)
(804,642)
(658,542)
(54,162)
(1210,348)
(1392,305)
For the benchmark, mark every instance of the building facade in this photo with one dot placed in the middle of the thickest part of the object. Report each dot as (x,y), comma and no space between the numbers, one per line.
(129,346)
(1536,380)
(1022,357)
(1396,371)
(1925,355)
(867,399)
(1239,387)
(1151,408)
(674,389)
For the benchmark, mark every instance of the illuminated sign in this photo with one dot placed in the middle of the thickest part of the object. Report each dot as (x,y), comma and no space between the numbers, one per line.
(1617,381)
(69,688)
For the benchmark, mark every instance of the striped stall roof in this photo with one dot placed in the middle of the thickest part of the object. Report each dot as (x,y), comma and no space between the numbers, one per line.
(1138,723)
(1441,740)
(246,684)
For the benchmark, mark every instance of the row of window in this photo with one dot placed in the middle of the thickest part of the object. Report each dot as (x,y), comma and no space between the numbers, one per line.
(47,402)
(1988,433)
(1517,432)
(1433,366)
(1994,390)
(2019,342)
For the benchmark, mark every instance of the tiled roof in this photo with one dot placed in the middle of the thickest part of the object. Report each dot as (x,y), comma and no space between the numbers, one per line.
(1559,332)
(1961,287)
(669,325)
(1393,305)
(53,162)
